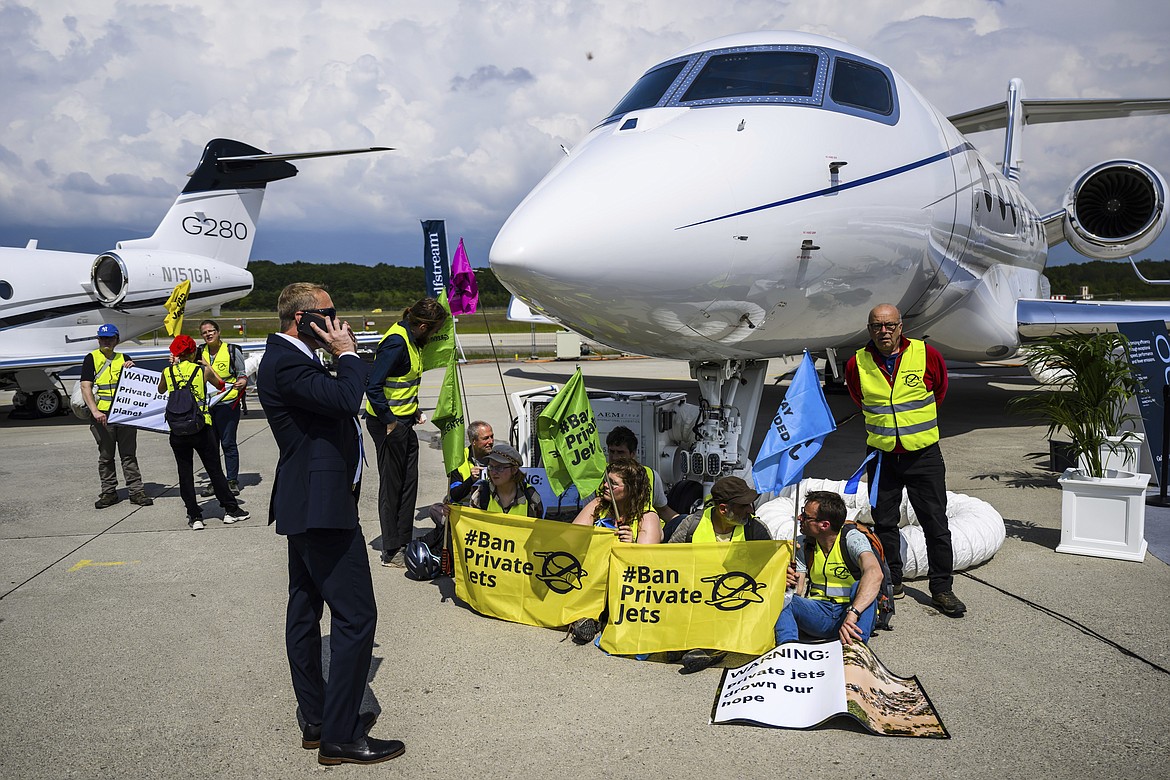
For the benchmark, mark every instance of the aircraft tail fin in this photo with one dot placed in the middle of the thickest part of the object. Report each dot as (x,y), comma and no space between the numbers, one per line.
(216,213)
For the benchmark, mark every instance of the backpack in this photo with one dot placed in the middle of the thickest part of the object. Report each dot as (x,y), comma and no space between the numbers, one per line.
(184,415)
(885,597)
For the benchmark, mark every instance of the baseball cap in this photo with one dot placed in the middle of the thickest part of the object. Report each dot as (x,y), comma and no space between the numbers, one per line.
(505,453)
(109,329)
(182,345)
(732,490)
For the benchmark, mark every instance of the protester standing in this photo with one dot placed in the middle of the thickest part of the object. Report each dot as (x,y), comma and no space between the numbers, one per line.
(391,414)
(228,362)
(899,384)
(100,373)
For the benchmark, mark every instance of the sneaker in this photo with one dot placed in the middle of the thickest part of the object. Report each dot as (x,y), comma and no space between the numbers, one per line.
(105,500)
(234,486)
(141,499)
(899,591)
(208,490)
(584,630)
(237,516)
(394,558)
(698,660)
(196,524)
(948,603)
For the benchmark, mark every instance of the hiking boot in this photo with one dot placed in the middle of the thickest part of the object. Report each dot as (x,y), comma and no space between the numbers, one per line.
(105,500)
(141,499)
(208,490)
(698,660)
(948,603)
(234,486)
(584,630)
(394,558)
(899,591)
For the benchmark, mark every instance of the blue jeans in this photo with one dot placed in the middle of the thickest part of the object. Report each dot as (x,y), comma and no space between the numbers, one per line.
(225,419)
(820,619)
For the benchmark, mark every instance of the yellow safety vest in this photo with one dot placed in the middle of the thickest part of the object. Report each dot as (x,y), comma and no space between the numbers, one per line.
(831,579)
(519,508)
(402,391)
(183,370)
(222,363)
(705,531)
(905,411)
(103,392)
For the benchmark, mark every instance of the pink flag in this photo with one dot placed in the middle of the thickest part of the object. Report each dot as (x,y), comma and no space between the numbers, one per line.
(464,292)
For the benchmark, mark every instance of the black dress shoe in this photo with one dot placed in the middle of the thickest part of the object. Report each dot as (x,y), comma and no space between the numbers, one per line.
(311,734)
(366,750)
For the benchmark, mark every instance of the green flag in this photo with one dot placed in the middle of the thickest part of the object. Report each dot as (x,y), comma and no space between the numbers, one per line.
(449,418)
(569,445)
(441,348)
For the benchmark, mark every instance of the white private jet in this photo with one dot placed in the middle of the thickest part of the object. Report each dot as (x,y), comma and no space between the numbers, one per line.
(51,303)
(756,195)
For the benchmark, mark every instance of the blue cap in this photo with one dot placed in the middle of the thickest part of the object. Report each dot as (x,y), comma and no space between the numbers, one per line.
(109,329)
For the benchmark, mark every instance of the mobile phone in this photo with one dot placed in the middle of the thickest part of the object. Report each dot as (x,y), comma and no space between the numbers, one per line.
(305,329)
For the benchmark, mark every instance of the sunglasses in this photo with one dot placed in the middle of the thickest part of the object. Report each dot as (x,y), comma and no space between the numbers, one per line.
(329,313)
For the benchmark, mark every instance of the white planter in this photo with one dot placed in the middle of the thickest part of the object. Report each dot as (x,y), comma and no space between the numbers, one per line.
(1127,456)
(1103,517)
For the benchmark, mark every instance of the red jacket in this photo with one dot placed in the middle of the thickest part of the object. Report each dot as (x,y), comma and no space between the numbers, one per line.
(935,378)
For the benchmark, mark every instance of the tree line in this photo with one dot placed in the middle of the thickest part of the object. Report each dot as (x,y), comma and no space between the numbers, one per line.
(353,286)
(1109,279)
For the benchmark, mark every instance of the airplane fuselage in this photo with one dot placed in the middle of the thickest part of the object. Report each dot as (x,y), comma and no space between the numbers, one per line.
(736,224)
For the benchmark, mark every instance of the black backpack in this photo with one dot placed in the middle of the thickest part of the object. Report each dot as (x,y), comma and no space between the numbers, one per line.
(885,597)
(184,414)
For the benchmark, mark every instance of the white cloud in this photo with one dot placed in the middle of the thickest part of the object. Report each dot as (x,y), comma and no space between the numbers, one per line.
(108,104)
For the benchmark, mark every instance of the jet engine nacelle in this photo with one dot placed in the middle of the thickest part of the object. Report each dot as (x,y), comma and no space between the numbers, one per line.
(1115,209)
(142,281)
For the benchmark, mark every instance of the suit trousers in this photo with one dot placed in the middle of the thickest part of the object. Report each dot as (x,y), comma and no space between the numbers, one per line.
(924,476)
(330,566)
(397,482)
(203,443)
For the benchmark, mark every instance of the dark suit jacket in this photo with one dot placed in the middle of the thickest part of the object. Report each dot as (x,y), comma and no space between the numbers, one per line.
(311,414)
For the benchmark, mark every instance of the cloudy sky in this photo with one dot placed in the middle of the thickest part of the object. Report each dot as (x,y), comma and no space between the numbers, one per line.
(106,105)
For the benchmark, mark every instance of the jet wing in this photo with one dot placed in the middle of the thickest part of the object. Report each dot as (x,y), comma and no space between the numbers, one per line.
(1039,318)
(1037,112)
(60,363)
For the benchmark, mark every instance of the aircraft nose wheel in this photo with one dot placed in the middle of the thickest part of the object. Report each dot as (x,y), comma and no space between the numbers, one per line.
(47,403)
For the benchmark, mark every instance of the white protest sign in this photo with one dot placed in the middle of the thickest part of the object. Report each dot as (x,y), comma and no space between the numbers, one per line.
(792,686)
(139,404)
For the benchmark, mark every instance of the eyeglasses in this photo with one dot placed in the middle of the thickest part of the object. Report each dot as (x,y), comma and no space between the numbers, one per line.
(329,313)
(806,516)
(498,467)
(878,327)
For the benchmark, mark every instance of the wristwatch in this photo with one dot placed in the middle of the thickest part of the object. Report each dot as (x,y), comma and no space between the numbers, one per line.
(853,609)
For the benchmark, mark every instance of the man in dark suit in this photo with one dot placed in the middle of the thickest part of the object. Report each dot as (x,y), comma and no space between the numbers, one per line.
(312,415)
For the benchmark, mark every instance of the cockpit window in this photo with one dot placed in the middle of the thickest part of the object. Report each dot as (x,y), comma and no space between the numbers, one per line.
(755,74)
(861,86)
(649,90)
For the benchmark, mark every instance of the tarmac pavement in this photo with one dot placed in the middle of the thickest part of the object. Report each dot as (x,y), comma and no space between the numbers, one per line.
(134,647)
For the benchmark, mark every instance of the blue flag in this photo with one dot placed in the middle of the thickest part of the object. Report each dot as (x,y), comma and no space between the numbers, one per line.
(798,429)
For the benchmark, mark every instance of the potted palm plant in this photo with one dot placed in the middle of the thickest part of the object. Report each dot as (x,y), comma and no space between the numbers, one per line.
(1090,383)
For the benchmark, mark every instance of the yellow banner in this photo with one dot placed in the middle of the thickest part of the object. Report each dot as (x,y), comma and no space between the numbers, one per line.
(722,596)
(175,306)
(536,572)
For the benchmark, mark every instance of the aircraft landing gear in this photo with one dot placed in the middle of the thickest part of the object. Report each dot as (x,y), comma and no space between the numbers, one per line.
(729,397)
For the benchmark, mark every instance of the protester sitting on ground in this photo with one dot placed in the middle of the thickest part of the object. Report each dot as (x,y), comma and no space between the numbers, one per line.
(621,505)
(838,604)
(462,480)
(182,373)
(505,490)
(622,443)
(728,515)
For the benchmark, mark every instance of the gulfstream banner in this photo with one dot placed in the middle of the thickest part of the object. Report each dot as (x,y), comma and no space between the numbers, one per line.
(536,572)
(682,596)
(435,262)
